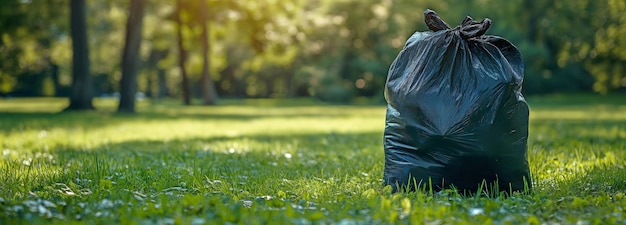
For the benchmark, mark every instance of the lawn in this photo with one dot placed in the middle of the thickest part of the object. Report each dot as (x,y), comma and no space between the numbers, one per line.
(285,162)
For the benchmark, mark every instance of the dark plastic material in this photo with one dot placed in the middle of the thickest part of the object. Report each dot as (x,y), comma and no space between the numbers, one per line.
(456,116)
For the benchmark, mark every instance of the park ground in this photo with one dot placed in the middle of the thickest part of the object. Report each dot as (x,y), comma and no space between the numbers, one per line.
(267,161)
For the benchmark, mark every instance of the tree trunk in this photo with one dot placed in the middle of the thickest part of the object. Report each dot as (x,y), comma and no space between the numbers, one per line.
(207,85)
(533,20)
(130,57)
(182,55)
(149,83)
(81,96)
(157,85)
(162,82)
(54,75)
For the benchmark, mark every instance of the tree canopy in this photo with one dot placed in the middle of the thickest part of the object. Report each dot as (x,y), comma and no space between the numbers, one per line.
(334,50)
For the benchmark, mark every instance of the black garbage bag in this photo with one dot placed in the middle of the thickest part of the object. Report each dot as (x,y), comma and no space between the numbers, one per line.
(456,117)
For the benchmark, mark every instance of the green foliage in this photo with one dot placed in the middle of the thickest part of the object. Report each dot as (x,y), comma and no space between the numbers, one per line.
(31,40)
(284,48)
(284,162)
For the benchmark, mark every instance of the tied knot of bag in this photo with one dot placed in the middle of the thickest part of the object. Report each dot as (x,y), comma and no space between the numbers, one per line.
(468,29)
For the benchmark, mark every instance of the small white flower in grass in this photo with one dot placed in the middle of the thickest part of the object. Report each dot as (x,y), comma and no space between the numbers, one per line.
(43,134)
(30,203)
(18,208)
(197,221)
(106,204)
(476,211)
(42,210)
(247,204)
(48,204)
(288,155)
(348,222)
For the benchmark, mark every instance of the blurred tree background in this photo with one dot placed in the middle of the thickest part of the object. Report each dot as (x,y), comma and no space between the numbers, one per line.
(334,50)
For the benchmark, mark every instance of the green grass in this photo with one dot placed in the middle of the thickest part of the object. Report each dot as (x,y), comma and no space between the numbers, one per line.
(284,162)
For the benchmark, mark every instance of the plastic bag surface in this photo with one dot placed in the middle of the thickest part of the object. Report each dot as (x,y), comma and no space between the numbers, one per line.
(456,116)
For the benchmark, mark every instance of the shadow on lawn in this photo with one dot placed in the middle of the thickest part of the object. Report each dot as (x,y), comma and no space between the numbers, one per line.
(97,119)
(575,132)
(238,161)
